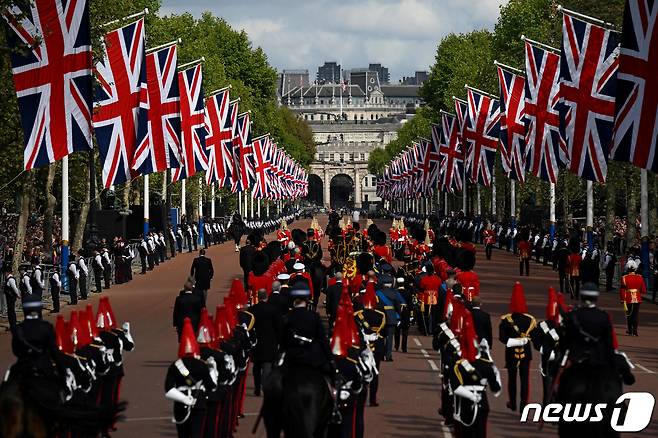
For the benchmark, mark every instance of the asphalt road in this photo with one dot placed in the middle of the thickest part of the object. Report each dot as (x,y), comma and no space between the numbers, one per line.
(409,386)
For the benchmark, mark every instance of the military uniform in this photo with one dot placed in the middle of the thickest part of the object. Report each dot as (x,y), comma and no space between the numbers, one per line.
(631,289)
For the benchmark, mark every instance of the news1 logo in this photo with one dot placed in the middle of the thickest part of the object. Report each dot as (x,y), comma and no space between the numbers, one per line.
(637,418)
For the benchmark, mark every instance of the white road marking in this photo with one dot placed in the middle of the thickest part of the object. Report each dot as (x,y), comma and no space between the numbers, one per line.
(417,342)
(425,353)
(645,369)
(446,432)
(433,365)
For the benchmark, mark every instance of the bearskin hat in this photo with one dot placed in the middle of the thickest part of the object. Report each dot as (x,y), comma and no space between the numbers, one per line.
(298,236)
(464,259)
(364,262)
(260,263)
(274,250)
(378,237)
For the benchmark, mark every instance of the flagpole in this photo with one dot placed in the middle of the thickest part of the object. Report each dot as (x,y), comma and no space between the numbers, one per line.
(182,199)
(644,223)
(493,195)
(267,208)
(445,204)
(239,196)
(552,213)
(512,209)
(200,221)
(478,209)
(258,210)
(593,20)
(162,46)
(540,45)
(590,215)
(129,17)
(251,209)
(146,205)
(212,204)
(65,221)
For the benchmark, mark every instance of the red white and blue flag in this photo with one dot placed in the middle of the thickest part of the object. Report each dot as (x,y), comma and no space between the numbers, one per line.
(588,82)
(545,148)
(52,77)
(218,137)
(261,155)
(242,152)
(163,149)
(512,123)
(120,114)
(461,111)
(430,166)
(481,136)
(193,128)
(452,157)
(636,124)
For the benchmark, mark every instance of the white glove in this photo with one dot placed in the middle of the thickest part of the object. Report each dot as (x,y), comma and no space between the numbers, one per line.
(212,365)
(465,393)
(126,329)
(175,395)
(516,342)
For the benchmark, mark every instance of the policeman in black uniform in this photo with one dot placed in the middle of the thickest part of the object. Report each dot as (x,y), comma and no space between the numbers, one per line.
(12,294)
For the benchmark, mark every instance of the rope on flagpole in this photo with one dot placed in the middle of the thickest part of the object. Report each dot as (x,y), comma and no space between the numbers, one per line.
(12,180)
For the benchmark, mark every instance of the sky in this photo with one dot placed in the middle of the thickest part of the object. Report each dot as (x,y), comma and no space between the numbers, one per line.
(302,34)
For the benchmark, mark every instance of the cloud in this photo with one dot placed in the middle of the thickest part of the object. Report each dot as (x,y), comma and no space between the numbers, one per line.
(400,34)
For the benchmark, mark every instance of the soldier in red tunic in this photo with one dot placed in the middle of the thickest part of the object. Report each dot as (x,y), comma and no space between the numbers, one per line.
(525,252)
(631,289)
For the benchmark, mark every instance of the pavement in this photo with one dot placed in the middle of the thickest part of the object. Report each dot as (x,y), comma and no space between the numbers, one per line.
(409,386)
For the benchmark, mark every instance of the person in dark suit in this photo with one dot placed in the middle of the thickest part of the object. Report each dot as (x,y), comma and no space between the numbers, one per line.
(187,305)
(247,253)
(268,325)
(333,297)
(279,297)
(203,272)
(481,320)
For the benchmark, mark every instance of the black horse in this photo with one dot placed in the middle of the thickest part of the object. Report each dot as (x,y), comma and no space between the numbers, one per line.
(580,383)
(297,401)
(236,228)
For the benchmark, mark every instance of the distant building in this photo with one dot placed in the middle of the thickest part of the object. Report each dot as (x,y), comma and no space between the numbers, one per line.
(291,79)
(382,72)
(417,79)
(365,79)
(329,73)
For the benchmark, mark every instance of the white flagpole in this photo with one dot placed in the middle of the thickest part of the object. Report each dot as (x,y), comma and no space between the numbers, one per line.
(493,195)
(445,204)
(251,208)
(65,221)
(644,225)
(146,205)
(258,210)
(479,208)
(182,199)
(212,204)
(239,195)
(267,209)
(552,212)
(512,213)
(590,215)
(200,220)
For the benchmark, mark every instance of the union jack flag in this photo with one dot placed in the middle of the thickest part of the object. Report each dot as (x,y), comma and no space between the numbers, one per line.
(512,123)
(545,148)
(452,157)
(193,127)
(163,149)
(461,110)
(53,78)
(588,81)
(242,152)
(261,155)
(481,136)
(120,116)
(217,136)
(636,124)
(430,166)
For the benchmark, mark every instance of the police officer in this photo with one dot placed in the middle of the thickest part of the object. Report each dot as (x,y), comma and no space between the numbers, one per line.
(172,241)
(36,279)
(55,287)
(83,273)
(608,265)
(143,254)
(107,267)
(515,330)
(631,289)
(12,293)
(97,266)
(73,277)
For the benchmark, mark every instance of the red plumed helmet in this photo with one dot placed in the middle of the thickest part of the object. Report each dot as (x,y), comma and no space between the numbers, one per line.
(206,332)
(188,346)
(517,303)
(369,299)
(340,338)
(110,313)
(61,338)
(90,317)
(468,340)
(552,308)
(238,294)
(104,315)
(223,328)
(74,330)
(231,312)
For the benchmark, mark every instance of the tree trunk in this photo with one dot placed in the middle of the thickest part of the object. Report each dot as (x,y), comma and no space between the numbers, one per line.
(50,210)
(21,229)
(79,232)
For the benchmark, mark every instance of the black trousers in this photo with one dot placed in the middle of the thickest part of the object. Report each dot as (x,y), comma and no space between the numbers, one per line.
(374,384)
(193,427)
(195,241)
(143,260)
(524,263)
(575,287)
(609,276)
(11,309)
(563,279)
(73,290)
(488,250)
(261,371)
(172,248)
(401,334)
(150,259)
(523,371)
(82,283)
(98,274)
(179,243)
(54,294)
(476,430)
(632,314)
(106,276)
(188,240)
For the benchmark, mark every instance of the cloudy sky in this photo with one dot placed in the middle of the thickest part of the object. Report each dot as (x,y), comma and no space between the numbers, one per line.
(400,34)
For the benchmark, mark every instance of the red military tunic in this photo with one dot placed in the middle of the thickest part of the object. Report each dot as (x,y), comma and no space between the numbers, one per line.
(525,249)
(489,237)
(470,284)
(440,267)
(429,286)
(257,282)
(384,252)
(632,288)
(573,264)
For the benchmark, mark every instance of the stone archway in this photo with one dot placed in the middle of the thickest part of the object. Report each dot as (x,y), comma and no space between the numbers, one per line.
(315,190)
(341,191)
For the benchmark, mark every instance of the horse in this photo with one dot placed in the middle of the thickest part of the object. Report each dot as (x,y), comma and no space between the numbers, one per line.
(298,401)
(236,228)
(583,383)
